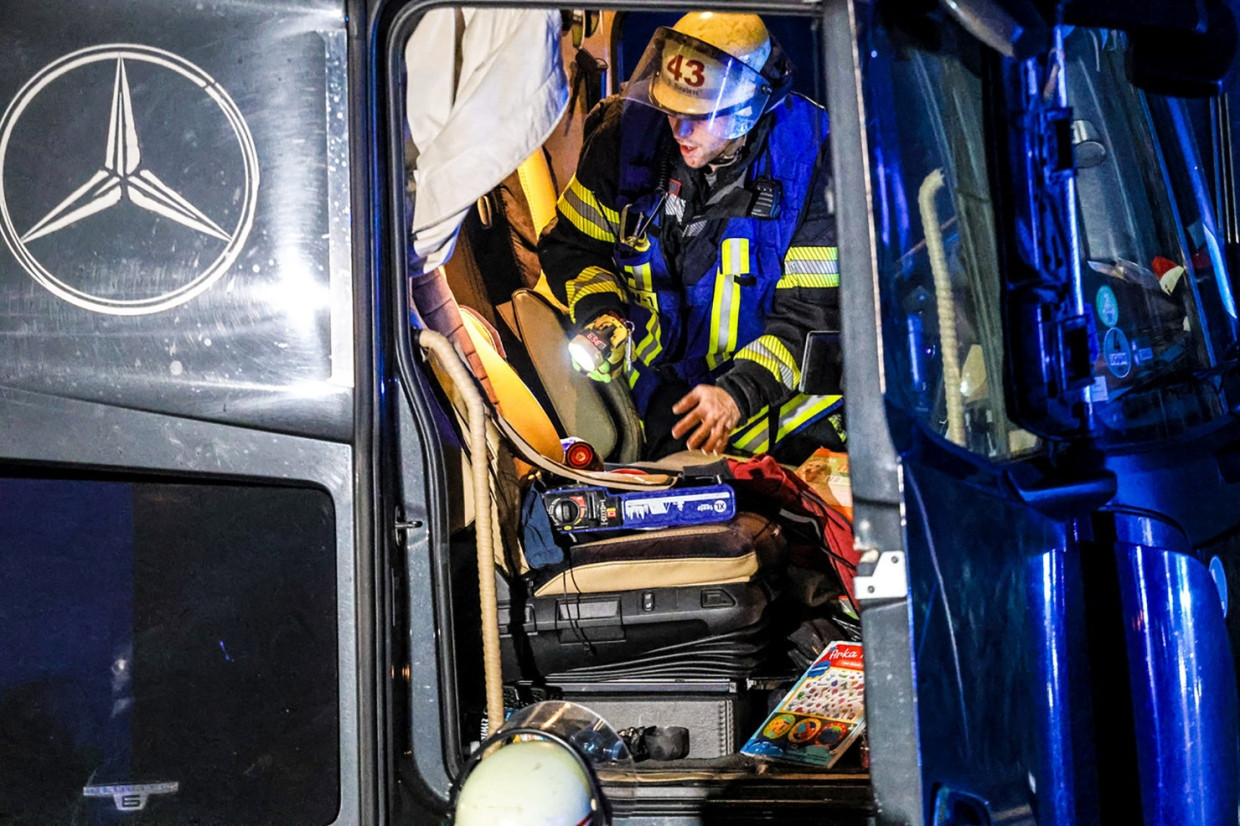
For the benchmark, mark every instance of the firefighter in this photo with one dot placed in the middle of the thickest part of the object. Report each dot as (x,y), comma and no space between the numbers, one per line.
(695,245)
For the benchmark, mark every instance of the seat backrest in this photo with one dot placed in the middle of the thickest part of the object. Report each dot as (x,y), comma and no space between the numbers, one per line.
(497,252)
(538,188)
(601,415)
(491,272)
(575,397)
(537,185)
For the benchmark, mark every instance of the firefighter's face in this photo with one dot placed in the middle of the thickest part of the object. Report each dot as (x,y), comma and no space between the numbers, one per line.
(699,145)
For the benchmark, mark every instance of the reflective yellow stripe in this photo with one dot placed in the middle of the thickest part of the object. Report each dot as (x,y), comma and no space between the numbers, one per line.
(800,409)
(810,281)
(771,354)
(810,267)
(584,211)
(753,437)
(726,305)
(804,253)
(644,295)
(745,437)
(590,281)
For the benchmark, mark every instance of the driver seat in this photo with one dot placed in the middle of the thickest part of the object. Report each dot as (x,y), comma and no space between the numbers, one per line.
(680,602)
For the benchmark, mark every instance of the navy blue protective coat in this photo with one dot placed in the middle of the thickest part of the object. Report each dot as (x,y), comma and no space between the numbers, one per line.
(720,286)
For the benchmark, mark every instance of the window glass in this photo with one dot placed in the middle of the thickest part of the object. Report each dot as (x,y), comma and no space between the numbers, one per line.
(937,255)
(1152,276)
(1151,271)
(169,648)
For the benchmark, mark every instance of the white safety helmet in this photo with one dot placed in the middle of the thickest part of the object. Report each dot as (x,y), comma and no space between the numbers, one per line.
(539,769)
(526,783)
(707,68)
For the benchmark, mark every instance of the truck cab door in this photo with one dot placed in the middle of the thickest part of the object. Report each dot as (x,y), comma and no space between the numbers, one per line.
(186,599)
(1002,538)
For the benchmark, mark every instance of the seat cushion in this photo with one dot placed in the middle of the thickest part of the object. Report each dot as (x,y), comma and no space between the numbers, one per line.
(727,552)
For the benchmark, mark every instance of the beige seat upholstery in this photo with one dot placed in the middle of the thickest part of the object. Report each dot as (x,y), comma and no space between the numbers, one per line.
(722,553)
(601,415)
(576,398)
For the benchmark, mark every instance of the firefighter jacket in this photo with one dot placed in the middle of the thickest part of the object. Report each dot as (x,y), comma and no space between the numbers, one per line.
(722,274)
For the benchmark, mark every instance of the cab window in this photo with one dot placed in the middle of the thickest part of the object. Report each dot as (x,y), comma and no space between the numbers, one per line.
(170,649)
(1153,280)
(938,259)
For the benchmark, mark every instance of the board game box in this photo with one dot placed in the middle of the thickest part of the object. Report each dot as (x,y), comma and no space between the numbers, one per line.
(821,716)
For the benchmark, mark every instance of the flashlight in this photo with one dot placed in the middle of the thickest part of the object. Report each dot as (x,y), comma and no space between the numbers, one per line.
(590,351)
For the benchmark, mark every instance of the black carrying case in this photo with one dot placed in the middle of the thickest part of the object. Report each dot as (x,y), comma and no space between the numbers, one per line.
(553,629)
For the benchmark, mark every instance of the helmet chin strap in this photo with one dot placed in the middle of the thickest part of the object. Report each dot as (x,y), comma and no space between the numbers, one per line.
(730,153)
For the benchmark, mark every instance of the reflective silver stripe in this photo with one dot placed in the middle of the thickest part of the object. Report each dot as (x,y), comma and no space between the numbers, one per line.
(583,210)
(771,354)
(810,267)
(748,434)
(725,308)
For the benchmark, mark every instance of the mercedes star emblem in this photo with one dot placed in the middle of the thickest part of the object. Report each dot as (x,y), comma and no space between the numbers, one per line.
(128,176)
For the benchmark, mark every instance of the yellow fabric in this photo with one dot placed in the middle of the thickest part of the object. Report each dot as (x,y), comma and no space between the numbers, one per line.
(516,402)
(641,292)
(754,436)
(591,281)
(812,281)
(505,469)
(539,189)
(535,177)
(587,214)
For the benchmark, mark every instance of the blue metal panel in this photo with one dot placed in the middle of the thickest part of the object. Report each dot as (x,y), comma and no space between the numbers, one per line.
(1046,588)
(1183,683)
(996,618)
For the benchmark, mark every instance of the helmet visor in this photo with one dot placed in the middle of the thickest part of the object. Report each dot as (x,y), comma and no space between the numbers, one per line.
(692,80)
(596,741)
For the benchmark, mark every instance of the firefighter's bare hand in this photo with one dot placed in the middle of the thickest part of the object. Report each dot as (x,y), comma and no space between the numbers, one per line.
(710,413)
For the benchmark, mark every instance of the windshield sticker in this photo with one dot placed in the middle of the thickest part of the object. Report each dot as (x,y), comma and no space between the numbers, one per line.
(1099,394)
(1118,354)
(1107,306)
(138,179)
